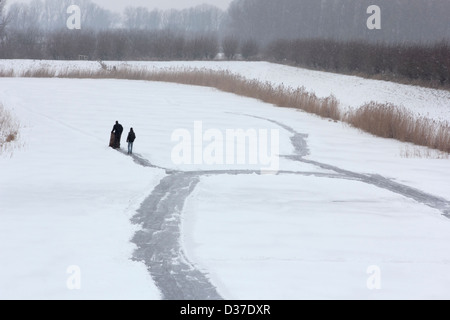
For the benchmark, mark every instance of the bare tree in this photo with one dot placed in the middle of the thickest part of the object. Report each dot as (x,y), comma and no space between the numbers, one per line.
(140,18)
(4,19)
(202,47)
(230,45)
(250,49)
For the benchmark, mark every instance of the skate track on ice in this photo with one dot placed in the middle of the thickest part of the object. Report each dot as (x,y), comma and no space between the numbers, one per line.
(158,241)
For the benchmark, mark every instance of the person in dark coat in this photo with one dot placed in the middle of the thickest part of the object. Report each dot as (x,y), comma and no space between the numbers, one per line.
(130,139)
(117,130)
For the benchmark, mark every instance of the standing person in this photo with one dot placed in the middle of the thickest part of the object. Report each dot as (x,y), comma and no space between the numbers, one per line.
(130,139)
(117,130)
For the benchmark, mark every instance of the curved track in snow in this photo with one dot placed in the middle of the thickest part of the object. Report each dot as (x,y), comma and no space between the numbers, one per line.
(158,242)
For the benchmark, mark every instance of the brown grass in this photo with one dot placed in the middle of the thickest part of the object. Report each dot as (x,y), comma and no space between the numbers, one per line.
(7,73)
(422,152)
(39,73)
(280,95)
(389,121)
(9,129)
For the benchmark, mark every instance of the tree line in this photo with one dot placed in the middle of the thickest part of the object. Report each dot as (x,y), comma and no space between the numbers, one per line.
(418,21)
(116,44)
(427,64)
(51,15)
(329,35)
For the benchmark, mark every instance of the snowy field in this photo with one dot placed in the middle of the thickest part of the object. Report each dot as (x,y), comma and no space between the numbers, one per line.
(351,91)
(346,217)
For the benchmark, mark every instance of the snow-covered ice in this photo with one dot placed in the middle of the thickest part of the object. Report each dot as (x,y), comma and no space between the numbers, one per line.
(67,199)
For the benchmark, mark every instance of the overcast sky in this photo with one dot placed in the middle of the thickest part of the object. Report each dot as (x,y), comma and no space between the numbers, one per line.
(119,5)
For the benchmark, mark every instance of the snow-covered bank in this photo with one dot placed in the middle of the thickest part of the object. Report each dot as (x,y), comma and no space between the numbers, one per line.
(351,91)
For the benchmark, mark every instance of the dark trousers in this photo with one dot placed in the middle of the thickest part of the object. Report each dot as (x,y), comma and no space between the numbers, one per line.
(117,142)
